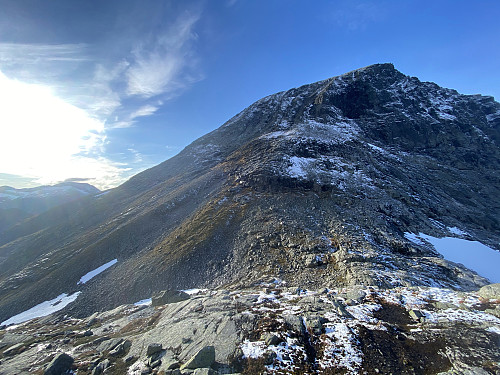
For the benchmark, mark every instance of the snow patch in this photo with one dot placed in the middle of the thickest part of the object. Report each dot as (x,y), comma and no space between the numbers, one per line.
(457,231)
(42,309)
(494,330)
(472,254)
(97,271)
(341,348)
(299,166)
(414,238)
(143,302)
(194,291)
(253,349)
(327,170)
(279,134)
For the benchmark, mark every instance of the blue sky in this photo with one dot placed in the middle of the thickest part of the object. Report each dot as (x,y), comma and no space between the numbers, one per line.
(97,91)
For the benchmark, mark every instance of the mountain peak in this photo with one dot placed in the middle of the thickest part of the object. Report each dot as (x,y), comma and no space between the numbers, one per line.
(316,185)
(375,69)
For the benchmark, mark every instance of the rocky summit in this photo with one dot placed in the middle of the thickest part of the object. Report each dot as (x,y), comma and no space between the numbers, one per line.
(306,218)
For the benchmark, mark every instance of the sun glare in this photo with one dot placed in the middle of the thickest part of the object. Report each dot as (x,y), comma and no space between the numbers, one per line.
(46,138)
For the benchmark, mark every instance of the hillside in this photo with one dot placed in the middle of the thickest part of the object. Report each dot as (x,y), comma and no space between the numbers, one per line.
(316,186)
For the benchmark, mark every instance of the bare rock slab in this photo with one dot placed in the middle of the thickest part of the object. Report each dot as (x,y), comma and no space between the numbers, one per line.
(165,297)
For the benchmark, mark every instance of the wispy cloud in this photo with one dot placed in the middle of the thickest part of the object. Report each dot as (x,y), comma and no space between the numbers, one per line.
(162,65)
(19,53)
(98,91)
(129,120)
(146,110)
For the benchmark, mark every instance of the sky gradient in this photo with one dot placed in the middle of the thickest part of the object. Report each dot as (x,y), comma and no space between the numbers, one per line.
(97,91)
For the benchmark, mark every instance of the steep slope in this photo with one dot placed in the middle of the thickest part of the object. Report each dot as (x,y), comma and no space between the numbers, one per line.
(316,185)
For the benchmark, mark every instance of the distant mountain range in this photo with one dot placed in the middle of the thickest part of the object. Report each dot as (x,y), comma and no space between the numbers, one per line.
(17,205)
(316,186)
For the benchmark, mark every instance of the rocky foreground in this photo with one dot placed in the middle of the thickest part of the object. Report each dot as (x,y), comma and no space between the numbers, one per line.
(269,328)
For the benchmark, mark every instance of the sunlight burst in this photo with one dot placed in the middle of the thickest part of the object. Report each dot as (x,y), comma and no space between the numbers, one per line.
(46,138)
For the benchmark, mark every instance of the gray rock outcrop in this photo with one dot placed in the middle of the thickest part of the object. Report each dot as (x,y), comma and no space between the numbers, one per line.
(59,365)
(491,291)
(165,297)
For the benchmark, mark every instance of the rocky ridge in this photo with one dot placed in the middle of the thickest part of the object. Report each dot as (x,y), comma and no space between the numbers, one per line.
(271,329)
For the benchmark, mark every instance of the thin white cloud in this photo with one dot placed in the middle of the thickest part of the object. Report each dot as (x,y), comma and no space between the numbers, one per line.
(146,110)
(137,155)
(22,53)
(130,119)
(162,66)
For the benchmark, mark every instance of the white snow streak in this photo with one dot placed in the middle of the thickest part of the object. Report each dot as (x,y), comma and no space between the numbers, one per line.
(43,309)
(97,271)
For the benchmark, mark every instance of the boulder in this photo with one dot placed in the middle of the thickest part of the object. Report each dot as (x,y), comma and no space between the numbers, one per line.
(109,344)
(153,349)
(357,294)
(294,322)
(169,362)
(103,365)
(270,339)
(156,363)
(91,320)
(315,323)
(121,348)
(494,312)
(269,357)
(59,365)
(491,291)
(417,315)
(203,359)
(313,260)
(341,309)
(443,305)
(165,297)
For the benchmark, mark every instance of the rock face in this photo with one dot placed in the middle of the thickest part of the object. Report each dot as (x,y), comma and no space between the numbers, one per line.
(315,185)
